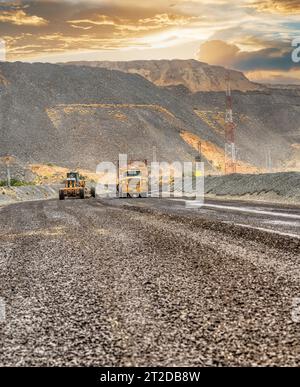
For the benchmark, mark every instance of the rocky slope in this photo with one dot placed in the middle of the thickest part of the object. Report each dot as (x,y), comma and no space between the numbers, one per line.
(267,116)
(267,123)
(195,75)
(27,193)
(275,187)
(78,116)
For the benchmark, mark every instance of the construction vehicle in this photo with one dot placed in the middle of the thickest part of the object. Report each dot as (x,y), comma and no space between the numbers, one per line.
(75,187)
(133,179)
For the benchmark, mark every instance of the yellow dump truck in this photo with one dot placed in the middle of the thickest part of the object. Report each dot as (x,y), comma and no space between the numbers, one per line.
(133,179)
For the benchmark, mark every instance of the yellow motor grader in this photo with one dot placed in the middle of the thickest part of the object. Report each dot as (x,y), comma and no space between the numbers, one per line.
(75,187)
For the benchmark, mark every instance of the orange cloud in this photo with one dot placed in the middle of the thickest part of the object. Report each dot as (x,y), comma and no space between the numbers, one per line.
(19,18)
(218,52)
(99,20)
(166,19)
(163,20)
(278,6)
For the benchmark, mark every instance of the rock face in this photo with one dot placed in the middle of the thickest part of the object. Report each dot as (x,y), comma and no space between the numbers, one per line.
(194,75)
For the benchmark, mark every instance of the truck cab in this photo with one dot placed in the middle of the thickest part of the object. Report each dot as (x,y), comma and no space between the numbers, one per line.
(133,182)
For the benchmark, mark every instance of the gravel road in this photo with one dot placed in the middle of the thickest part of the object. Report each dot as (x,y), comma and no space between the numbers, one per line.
(89,283)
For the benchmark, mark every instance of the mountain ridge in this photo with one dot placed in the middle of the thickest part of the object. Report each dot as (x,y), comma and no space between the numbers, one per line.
(195,75)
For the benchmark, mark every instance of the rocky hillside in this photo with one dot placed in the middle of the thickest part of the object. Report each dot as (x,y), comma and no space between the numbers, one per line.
(274,187)
(267,123)
(78,116)
(194,75)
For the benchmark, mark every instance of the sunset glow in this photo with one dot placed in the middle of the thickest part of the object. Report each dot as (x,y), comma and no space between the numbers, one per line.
(248,35)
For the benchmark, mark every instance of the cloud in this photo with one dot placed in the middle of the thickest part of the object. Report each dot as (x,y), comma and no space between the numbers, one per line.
(276,57)
(81,27)
(271,64)
(166,19)
(93,25)
(218,52)
(20,18)
(158,21)
(277,6)
(98,20)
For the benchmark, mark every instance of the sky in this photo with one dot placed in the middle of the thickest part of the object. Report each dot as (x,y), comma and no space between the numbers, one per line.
(247,35)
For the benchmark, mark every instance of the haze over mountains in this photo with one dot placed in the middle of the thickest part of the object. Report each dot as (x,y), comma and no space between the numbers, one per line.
(79,115)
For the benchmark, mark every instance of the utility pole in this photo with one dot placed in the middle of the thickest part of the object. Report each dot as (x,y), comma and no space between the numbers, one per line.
(8,175)
(2,50)
(230,149)
(269,161)
(198,158)
(8,160)
(200,150)
(154,157)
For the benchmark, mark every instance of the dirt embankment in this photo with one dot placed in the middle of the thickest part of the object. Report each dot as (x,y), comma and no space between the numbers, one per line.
(272,187)
(27,193)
